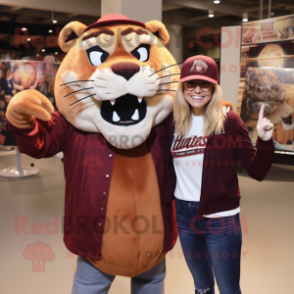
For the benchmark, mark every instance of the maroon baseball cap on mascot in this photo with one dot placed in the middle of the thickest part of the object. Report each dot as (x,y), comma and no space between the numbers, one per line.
(200,67)
(112,18)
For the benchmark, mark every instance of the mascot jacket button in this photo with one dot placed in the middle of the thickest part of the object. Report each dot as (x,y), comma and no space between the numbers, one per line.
(107,176)
(101,208)
(104,193)
(99,224)
(110,155)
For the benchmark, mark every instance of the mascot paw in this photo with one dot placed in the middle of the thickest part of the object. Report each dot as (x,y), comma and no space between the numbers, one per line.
(28,104)
(226,109)
(226,106)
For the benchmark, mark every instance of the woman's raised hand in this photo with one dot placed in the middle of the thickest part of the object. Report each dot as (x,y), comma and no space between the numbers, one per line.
(264,126)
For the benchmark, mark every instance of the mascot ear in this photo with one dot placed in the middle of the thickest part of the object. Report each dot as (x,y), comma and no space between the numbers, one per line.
(159,30)
(69,34)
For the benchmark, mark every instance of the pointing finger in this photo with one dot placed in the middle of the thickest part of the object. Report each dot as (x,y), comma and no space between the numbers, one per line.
(261,111)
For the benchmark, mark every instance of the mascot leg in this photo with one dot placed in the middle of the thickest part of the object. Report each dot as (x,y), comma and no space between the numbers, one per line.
(151,281)
(89,280)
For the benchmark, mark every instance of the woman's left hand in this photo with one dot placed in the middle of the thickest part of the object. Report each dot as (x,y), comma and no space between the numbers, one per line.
(264,126)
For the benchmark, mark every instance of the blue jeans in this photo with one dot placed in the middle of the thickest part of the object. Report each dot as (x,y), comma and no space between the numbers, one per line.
(211,246)
(89,280)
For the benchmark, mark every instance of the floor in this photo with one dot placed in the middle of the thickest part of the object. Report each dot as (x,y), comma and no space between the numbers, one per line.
(31,211)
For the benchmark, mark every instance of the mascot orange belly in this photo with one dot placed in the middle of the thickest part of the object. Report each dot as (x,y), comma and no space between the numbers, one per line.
(134,199)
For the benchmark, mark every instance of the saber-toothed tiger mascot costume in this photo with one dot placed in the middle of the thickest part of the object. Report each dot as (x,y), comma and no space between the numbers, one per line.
(114,126)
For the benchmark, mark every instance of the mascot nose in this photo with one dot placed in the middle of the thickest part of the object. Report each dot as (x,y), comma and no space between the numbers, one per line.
(125,69)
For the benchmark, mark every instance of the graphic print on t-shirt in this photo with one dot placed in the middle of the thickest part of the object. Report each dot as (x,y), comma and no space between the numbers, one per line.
(188,156)
(188,146)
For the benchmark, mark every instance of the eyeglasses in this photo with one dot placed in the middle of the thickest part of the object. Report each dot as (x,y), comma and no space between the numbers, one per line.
(191,85)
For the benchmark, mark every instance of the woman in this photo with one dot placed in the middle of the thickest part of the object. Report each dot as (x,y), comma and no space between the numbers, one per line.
(6,83)
(206,145)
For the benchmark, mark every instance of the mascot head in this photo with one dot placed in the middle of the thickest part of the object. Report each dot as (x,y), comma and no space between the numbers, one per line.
(117,78)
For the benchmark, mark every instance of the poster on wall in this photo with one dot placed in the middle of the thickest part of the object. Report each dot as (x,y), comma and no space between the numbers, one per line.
(267,77)
(18,75)
(268,30)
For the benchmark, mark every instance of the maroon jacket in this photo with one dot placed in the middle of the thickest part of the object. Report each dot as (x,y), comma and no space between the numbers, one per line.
(220,190)
(88,164)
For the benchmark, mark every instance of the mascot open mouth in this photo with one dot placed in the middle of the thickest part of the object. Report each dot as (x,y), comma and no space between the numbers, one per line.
(125,110)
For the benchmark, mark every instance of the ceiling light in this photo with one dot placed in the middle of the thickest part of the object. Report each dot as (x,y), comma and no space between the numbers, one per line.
(216,2)
(56,53)
(28,39)
(37,55)
(272,13)
(50,31)
(43,50)
(245,17)
(24,29)
(53,20)
(210,13)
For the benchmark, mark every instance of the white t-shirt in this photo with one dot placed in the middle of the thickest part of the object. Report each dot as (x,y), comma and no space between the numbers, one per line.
(188,155)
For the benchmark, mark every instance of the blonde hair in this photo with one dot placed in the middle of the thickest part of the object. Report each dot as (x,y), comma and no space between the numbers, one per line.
(213,115)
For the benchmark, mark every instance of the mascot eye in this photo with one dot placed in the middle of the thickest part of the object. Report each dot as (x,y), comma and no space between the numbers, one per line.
(142,52)
(97,55)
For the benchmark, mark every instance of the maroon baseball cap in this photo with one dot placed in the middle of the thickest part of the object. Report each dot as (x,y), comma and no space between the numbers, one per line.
(112,18)
(200,67)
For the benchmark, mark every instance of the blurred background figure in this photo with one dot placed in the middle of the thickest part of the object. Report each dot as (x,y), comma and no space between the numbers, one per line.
(6,83)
